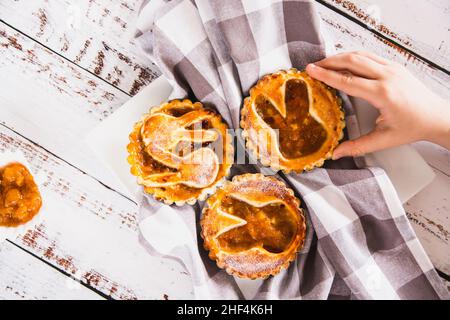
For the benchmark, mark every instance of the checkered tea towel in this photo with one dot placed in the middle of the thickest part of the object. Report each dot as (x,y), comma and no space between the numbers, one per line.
(359,242)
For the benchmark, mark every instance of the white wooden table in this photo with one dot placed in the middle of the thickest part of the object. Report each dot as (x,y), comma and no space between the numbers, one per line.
(67,65)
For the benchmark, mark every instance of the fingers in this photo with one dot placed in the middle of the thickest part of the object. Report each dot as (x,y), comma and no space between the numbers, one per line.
(358,64)
(374,141)
(374,57)
(348,83)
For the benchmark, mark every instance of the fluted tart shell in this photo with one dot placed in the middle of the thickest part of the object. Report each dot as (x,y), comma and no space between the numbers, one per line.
(253,226)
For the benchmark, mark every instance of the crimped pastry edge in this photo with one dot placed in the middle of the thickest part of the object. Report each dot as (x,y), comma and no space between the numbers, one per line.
(250,145)
(212,252)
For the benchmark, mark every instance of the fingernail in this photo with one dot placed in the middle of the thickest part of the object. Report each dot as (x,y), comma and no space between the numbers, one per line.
(311,65)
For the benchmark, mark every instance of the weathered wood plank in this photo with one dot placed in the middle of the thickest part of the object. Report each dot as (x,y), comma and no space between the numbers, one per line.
(430,219)
(53,102)
(428,211)
(421,26)
(24,277)
(434,199)
(91,232)
(96,35)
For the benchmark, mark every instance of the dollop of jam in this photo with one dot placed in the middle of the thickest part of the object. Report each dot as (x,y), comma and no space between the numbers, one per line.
(20,199)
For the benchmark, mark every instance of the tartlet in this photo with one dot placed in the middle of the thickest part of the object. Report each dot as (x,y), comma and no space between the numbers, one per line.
(307,114)
(180,152)
(253,226)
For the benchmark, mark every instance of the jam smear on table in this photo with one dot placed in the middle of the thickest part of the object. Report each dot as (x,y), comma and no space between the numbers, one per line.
(20,199)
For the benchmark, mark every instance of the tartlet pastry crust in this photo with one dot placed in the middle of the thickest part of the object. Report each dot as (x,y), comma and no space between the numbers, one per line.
(306,139)
(180,152)
(253,226)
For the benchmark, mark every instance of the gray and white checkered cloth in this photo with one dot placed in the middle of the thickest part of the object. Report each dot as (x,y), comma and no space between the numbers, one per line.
(360,243)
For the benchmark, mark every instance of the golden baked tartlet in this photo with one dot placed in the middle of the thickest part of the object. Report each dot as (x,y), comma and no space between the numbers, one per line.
(180,152)
(20,199)
(291,121)
(253,226)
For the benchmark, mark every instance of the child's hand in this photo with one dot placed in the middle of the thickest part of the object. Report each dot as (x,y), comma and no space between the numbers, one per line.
(409,111)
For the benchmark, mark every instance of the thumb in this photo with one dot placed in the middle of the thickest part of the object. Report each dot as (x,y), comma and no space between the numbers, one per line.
(373,141)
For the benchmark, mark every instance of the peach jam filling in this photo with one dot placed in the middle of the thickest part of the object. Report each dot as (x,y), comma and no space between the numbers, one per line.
(20,199)
(299,133)
(271,227)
